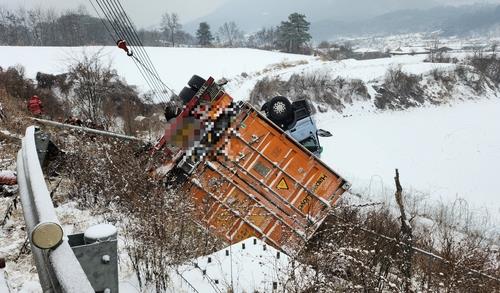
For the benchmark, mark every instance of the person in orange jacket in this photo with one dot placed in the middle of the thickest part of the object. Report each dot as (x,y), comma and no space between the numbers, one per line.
(35,105)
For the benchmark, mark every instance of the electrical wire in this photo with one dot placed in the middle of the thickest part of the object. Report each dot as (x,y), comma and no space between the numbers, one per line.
(124,30)
(112,16)
(140,45)
(117,35)
(102,20)
(134,40)
(128,35)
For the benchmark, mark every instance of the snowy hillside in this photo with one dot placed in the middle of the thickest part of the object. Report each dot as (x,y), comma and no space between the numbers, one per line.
(175,65)
(443,152)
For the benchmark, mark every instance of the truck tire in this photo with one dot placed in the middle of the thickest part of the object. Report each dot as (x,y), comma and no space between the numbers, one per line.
(186,94)
(279,110)
(196,82)
(171,111)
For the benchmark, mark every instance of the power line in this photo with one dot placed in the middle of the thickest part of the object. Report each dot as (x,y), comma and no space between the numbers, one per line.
(127,35)
(113,19)
(101,19)
(141,46)
(135,41)
(124,30)
(118,35)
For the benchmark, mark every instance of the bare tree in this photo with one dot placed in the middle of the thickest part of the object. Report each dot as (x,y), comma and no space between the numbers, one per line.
(265,38)
(92,82)
(229,34)
(494,47)
(171,26)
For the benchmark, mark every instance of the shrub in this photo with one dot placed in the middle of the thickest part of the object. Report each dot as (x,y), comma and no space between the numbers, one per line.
(111,179)
(399,91)
(315,87)
(15,83)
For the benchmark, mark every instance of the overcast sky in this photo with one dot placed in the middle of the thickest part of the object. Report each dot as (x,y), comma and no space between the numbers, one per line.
(147,13)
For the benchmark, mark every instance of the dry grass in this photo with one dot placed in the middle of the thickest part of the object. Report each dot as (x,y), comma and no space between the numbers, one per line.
(363,245)
(16,116)
(111,179)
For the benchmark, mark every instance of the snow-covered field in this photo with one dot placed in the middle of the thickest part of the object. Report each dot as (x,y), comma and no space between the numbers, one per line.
(174,65)
(177,65)
(445,152)
(442,152)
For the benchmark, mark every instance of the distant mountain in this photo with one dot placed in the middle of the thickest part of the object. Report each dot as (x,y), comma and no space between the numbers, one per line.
(331,19)
(253,15)
(448,20)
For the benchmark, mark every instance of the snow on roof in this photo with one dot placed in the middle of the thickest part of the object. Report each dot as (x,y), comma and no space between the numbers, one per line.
(247,266)
(409,50)
(366,50)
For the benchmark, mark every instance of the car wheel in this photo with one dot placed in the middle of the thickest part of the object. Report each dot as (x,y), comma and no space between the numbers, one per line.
(280,110)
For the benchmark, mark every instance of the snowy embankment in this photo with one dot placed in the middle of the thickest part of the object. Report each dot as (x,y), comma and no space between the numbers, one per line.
(174,65)
(444,152)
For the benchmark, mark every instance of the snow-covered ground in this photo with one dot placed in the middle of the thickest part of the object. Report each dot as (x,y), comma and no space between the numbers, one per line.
(174,65)
(442,152)
(247,266)
(177,65)
(445,152)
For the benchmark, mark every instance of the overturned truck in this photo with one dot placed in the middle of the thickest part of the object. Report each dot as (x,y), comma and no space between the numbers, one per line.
(246,175)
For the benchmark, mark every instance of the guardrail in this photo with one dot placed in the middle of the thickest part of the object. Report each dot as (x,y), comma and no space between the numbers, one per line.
(58,268)
(89,130)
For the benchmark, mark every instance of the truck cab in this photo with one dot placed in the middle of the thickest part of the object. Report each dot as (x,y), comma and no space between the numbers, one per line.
(296,120)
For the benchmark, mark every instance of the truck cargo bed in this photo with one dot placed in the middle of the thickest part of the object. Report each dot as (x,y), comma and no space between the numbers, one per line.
(263,184)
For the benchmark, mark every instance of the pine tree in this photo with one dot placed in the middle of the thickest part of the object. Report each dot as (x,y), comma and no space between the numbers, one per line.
(204,35)
(294,33)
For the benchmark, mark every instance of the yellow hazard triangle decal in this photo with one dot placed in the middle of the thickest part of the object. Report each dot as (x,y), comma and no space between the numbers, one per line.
(282,184)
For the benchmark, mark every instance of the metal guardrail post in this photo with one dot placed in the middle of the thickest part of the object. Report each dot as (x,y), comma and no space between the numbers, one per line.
(57,266)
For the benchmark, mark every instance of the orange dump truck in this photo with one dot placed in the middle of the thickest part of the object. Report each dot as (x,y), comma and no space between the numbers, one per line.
(259,181)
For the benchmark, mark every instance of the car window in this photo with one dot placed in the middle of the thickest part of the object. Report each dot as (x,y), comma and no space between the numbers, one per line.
(310,144)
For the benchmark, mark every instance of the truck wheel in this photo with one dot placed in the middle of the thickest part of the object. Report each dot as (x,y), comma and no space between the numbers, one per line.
(279,110)
(196,82)
(171,111)
(186,95)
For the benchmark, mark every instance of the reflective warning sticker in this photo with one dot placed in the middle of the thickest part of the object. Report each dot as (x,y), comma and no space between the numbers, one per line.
(320,180)
(282,184)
